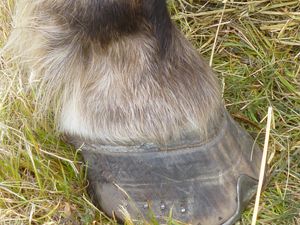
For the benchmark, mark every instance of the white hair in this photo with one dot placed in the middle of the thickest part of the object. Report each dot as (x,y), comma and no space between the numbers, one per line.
(124,92)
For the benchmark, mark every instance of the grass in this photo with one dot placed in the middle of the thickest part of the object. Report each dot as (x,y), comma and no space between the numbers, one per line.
(254,47)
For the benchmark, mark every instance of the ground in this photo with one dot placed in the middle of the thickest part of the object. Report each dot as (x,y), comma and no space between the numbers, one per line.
(254,47)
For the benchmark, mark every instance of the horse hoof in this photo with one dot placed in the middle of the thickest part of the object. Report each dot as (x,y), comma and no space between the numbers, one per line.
(194,182)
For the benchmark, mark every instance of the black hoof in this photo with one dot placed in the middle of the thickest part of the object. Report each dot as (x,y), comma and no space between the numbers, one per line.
(199,183)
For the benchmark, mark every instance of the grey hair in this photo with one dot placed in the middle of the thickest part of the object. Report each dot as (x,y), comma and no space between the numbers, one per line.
(123,92)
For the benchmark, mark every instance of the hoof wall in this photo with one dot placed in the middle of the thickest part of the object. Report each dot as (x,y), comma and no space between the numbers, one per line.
(200,183)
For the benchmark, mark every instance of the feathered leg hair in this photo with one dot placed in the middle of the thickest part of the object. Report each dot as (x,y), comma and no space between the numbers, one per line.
(116,72)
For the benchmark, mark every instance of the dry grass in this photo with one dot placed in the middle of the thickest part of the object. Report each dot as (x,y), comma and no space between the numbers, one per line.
(255,48)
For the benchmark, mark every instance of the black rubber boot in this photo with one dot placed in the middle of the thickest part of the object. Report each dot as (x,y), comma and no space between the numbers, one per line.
(203,183)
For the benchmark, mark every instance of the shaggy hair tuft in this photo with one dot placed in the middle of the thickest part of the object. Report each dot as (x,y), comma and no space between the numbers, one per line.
(115,82)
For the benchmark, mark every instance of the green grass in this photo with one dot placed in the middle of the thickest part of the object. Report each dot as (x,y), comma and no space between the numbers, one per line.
(256,53)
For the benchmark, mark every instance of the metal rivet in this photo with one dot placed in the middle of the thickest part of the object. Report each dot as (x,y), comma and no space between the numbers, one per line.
(182,210)
(162,206)
(146,206)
